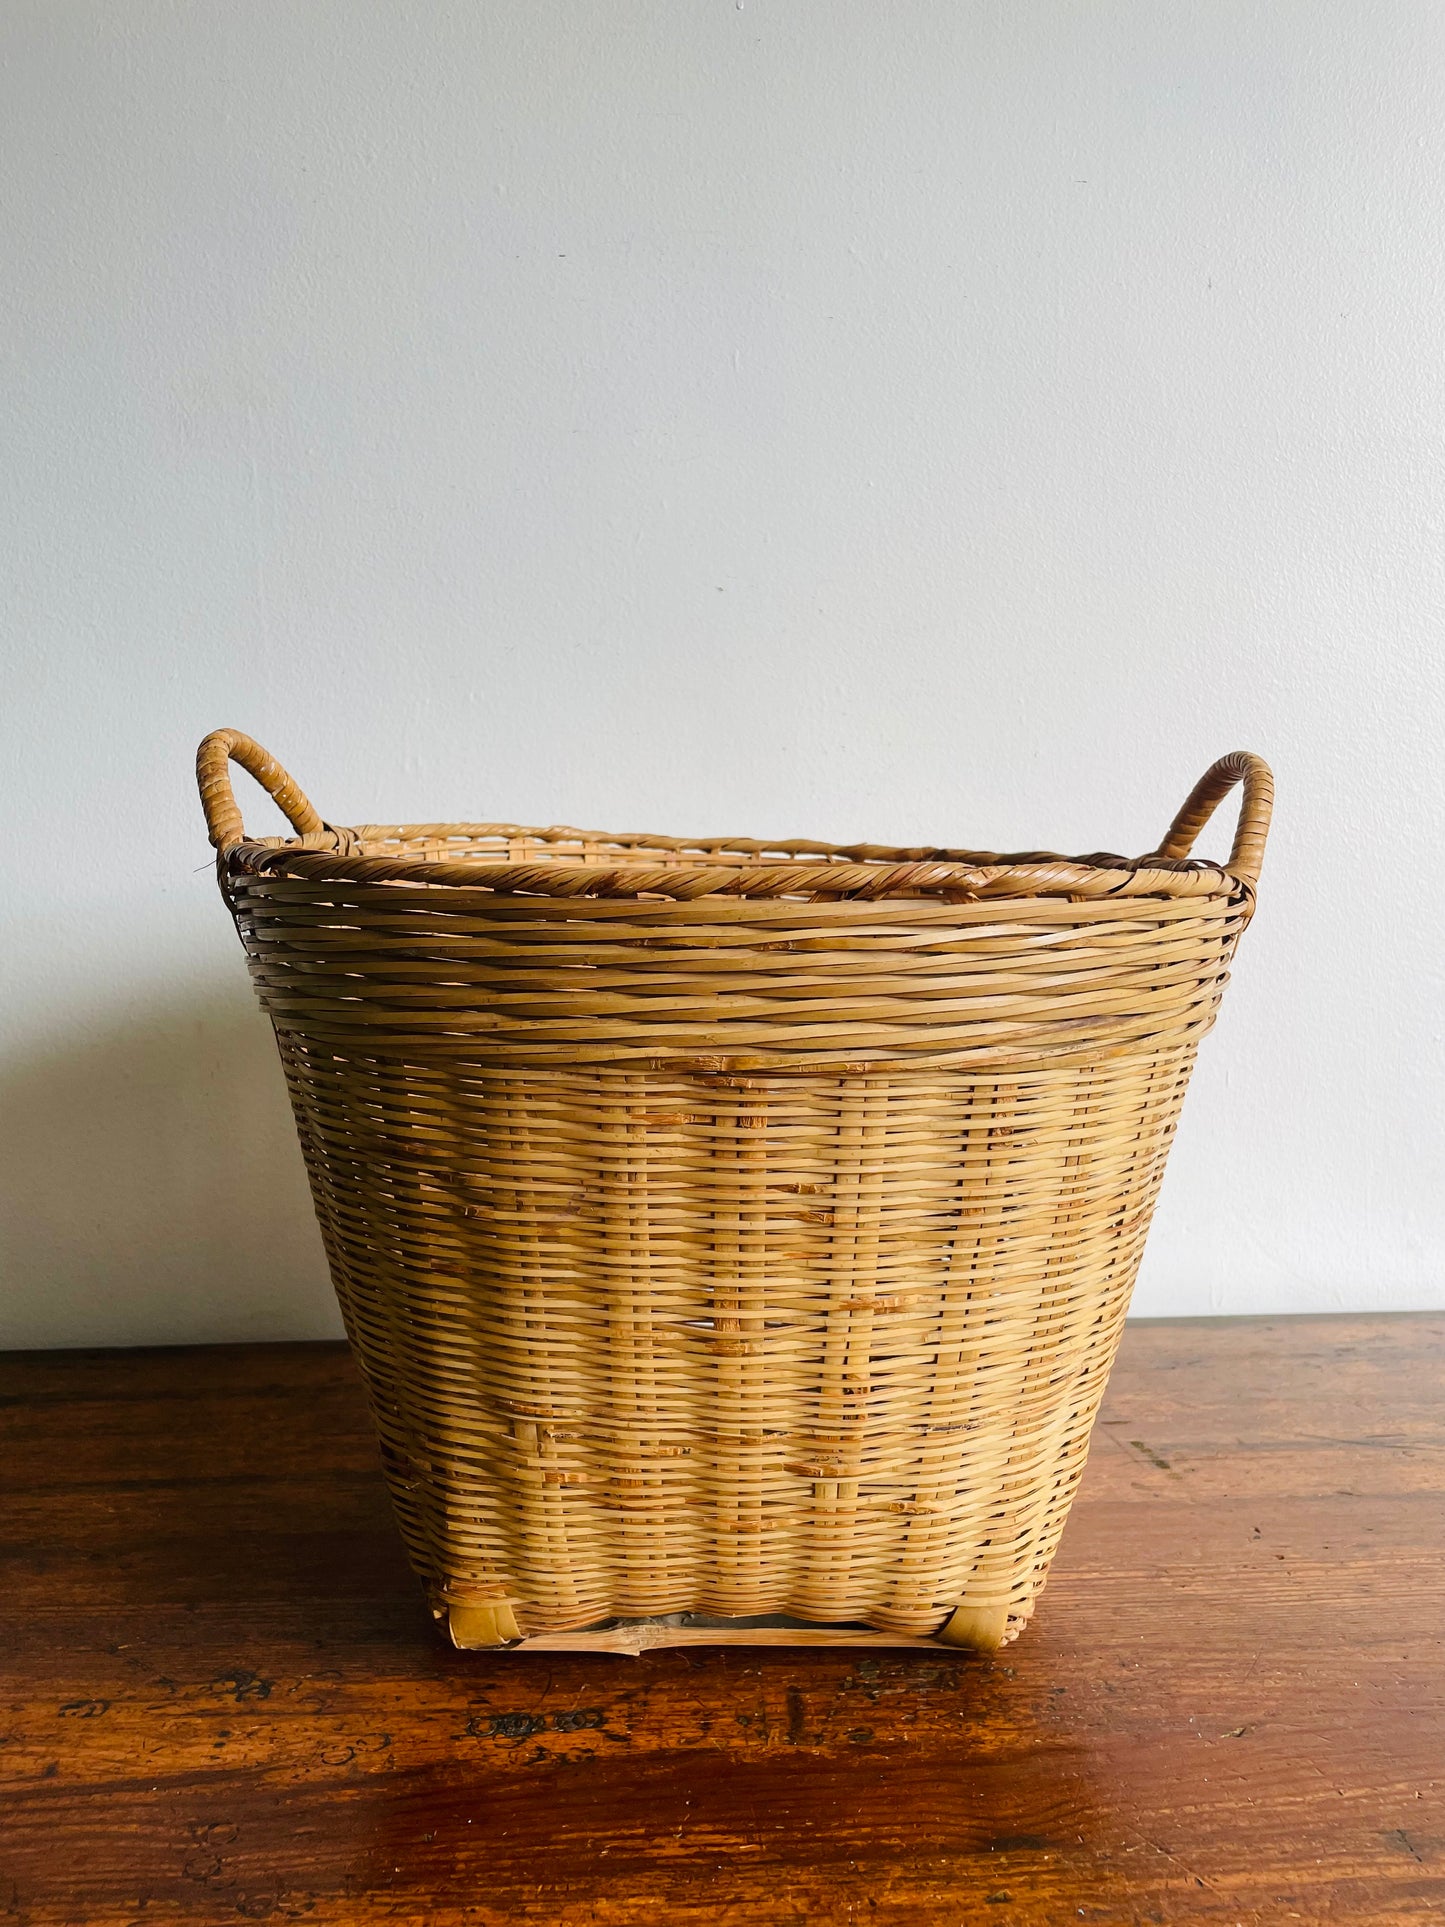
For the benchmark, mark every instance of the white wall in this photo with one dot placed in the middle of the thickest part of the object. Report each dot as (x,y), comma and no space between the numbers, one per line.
(934,421)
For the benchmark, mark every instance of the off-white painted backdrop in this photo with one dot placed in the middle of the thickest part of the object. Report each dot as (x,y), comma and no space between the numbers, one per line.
(924,422)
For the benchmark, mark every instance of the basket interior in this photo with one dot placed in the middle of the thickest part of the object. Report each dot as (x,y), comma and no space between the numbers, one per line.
(561,861)
(497,843)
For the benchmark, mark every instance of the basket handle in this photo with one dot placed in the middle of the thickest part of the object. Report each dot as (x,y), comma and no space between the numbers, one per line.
(1246,858)
(213,777)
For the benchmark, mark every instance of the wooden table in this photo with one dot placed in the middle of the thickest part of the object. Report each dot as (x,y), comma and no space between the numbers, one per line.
(221,1697)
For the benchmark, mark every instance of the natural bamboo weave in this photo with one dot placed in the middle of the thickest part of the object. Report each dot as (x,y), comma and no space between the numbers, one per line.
(723,1227)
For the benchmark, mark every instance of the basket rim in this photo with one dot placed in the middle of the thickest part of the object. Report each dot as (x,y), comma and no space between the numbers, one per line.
(559,860)
(522,861)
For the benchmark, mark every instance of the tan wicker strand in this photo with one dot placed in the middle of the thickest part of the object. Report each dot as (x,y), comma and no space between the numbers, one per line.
(728,1227)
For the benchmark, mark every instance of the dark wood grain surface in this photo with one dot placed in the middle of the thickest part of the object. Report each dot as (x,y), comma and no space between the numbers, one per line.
(222,1698)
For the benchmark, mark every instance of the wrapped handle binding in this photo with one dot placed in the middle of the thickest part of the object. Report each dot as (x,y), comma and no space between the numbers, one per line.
(1246,858)
(213,776)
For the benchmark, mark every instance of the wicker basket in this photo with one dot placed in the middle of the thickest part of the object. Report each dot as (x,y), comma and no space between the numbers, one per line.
(727,1228)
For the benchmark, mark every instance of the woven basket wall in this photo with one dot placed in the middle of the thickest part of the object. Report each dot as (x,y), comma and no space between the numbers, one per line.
(725,1228)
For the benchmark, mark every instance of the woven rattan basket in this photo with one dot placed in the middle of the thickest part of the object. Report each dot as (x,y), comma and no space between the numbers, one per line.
(730,1231)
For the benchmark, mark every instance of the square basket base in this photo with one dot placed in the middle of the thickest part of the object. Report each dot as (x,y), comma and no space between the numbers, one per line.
(494,1627)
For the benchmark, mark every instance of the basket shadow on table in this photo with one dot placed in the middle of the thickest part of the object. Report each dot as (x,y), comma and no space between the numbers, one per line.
(719,1783)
